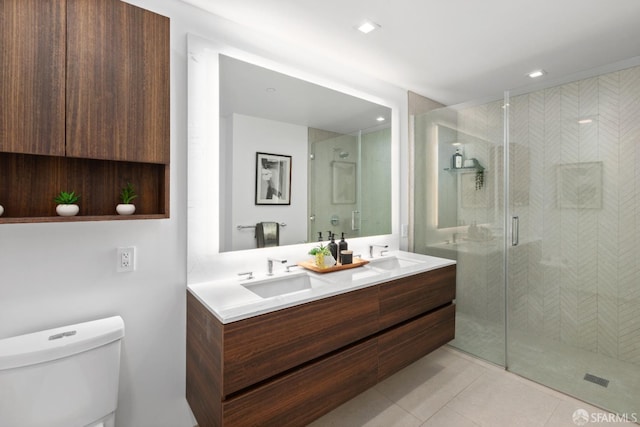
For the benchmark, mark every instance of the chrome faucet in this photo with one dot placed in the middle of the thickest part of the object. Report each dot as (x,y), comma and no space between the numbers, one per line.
(270,264)
(376,246)
(289,267)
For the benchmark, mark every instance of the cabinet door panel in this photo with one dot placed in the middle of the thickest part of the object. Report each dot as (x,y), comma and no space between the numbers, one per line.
(408,297)
(263,346)
(401,346)
(32,70)
(117,82)
(204,364)
(306,394)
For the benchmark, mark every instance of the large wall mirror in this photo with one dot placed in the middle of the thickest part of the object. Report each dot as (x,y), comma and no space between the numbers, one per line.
(266,147)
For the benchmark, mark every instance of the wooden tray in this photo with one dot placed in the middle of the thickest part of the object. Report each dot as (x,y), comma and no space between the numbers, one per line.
(311,265)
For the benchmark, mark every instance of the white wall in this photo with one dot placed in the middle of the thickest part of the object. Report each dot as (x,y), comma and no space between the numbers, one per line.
(56,274)
(59,274)
(63,273)
(252,135)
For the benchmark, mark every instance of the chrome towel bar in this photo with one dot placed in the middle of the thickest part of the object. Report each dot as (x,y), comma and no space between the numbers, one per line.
(242,227)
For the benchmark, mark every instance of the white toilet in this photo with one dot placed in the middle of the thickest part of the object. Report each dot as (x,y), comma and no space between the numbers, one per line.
(62,377)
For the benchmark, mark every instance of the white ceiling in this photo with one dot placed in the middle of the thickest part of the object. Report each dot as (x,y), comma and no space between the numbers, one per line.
(451,50)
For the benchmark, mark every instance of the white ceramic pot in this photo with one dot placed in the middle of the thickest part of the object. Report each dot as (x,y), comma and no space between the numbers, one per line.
(125,209)
(67,210)
(1,210)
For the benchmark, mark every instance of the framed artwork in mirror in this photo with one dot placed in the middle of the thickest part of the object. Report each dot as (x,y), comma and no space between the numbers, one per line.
(273,179)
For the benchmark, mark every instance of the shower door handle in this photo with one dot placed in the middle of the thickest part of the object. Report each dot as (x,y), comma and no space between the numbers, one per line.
(355,220)
(515,231)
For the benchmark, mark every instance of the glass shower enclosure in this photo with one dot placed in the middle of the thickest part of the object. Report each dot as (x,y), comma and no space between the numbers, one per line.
(459,214)
(544,221)
(349,183)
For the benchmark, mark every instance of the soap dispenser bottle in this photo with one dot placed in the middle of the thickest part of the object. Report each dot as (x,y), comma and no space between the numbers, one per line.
(333,246)
(457,159)
(319,236)
(342,246)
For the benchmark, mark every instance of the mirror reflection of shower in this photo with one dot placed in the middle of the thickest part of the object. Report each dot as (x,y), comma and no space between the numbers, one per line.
(349,178)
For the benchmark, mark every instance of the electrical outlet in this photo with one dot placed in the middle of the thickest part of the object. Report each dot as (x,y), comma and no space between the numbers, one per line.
(125,259)
(404,230)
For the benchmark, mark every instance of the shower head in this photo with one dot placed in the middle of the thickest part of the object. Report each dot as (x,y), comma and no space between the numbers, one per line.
(342,154)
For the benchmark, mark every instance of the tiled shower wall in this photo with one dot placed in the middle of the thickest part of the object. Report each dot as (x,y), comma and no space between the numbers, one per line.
(575,277)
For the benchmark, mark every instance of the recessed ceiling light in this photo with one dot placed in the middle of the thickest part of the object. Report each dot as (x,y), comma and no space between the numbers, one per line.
(456,144)
(585,121)
(380,119)
(537,73)
(367,26)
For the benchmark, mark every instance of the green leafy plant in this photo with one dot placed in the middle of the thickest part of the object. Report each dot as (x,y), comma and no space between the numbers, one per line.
(65,198)
(320,250)
(127,194)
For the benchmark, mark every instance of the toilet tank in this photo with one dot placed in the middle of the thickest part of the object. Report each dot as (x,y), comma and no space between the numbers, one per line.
(66,376)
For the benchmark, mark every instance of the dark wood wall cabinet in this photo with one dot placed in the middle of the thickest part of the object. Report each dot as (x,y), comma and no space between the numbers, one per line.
(84,90)
(291,366)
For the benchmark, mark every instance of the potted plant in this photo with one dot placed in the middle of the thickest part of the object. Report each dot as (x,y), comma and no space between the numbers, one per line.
(319,253)
(127,194)
(67,203)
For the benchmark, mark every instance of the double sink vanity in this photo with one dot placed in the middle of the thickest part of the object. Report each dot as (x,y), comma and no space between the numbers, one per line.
(286,349)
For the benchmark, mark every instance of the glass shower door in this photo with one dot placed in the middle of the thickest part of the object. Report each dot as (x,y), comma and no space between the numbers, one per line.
(459,214)
(558,257)
(573,274)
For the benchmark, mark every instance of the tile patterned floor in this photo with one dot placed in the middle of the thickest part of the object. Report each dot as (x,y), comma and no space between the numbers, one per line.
(448,388)
(558,365)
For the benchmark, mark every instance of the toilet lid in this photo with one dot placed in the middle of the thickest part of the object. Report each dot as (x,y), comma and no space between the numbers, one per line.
(64,341)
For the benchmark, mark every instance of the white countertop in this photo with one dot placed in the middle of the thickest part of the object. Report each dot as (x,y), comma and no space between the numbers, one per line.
(230,301)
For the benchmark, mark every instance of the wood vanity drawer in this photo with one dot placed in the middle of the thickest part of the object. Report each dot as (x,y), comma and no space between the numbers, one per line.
(403,345)
(411,296)
(204,363)
(258,348)
(305,394)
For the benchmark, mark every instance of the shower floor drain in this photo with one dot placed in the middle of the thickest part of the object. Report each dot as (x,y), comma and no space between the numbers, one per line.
(596,380)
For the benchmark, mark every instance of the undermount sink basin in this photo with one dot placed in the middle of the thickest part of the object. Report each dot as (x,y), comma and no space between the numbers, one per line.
(282,285)
(392,263)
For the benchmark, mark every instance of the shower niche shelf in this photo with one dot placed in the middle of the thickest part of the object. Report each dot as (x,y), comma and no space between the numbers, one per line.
(477,167)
